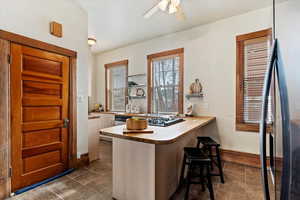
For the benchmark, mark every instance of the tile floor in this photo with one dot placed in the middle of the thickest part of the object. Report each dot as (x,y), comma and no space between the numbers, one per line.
(95,183)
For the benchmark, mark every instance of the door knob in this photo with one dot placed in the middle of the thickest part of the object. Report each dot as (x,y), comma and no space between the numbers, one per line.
(66,123)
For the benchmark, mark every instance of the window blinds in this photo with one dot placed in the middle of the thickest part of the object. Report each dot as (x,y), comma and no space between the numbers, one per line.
(256,57)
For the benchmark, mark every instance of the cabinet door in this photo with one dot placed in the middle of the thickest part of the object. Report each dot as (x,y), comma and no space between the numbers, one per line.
(107,120)
(110,120)
(100,123)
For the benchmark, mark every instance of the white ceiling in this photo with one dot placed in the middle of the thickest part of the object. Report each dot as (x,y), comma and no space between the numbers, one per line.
(117,23)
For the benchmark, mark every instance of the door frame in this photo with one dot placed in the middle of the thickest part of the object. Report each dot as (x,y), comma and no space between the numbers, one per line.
(6,38)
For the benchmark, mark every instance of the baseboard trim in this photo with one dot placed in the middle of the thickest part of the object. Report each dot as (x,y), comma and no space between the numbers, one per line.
(83,160)
(248,159)
(242,158)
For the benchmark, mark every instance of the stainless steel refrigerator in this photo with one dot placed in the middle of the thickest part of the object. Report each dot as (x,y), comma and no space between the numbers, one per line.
(280,149)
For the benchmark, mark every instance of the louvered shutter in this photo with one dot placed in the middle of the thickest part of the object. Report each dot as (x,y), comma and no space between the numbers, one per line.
(256,57)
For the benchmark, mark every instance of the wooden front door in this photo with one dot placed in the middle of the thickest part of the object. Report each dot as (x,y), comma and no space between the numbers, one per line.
(39,112)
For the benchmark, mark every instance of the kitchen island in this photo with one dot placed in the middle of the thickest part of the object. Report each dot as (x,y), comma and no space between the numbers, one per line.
(147,166)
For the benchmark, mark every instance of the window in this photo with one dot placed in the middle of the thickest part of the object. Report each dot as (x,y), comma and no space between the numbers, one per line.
(165,82)
(253,51)
(116,85)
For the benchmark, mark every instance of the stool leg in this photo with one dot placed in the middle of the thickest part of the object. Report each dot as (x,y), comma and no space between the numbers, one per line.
(220,165)
(202,178)
(198,143)
(209,184)
(188,180)
(211,157)
(181,180)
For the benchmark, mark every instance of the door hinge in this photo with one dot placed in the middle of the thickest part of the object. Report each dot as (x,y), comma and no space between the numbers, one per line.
(9,59)
(10,172)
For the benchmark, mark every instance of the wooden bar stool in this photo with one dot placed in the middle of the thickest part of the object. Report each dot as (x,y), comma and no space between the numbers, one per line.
(195,159)
(208,145)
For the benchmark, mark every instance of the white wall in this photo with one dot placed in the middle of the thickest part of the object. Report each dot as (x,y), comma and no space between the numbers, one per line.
(31,18)
(90,76)
(210,54)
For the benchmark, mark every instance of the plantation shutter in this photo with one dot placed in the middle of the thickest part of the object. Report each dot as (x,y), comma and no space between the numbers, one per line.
(256,58)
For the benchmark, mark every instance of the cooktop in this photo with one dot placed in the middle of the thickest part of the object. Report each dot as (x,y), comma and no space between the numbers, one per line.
(163,122)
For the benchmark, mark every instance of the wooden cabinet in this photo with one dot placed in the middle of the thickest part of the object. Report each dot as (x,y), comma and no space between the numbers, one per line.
(95,123)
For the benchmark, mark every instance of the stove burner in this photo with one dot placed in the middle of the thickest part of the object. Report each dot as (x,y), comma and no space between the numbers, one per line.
(163,122)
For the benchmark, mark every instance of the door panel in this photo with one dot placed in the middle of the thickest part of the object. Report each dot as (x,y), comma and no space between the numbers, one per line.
(41,113)
(42,137)
(37,89)
(39,104)
(34,64)
(40,161)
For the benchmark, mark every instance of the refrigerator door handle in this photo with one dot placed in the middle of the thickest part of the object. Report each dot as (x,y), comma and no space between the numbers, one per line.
(263,123)
(263,160)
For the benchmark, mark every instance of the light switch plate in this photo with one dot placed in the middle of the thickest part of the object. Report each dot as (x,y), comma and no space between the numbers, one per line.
(80,98)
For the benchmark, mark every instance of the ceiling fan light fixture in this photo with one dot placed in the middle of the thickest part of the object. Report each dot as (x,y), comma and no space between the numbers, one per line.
(163,5)
(168,6)
(92,41)
(175,2)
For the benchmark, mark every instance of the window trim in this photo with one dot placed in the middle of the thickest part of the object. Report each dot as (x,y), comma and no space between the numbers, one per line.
(110,65)
(240,39)
(175,52)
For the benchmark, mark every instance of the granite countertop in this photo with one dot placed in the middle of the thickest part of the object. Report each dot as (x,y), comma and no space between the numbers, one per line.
(161,135)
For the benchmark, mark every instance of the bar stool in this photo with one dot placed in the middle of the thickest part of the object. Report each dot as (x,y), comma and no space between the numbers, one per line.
(195,158)
(208,145)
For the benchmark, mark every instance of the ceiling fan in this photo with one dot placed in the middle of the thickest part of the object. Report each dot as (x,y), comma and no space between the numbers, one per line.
(170,6)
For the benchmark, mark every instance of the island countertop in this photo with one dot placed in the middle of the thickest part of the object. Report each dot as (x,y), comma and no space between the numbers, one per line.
(161,135)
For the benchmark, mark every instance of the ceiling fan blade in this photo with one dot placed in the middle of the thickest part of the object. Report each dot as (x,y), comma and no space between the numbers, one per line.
(152,11)
(180,14)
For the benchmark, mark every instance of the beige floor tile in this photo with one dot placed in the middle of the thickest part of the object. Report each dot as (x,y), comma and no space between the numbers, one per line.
(37,194)
(95,183)
(86,177)
(77,172)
